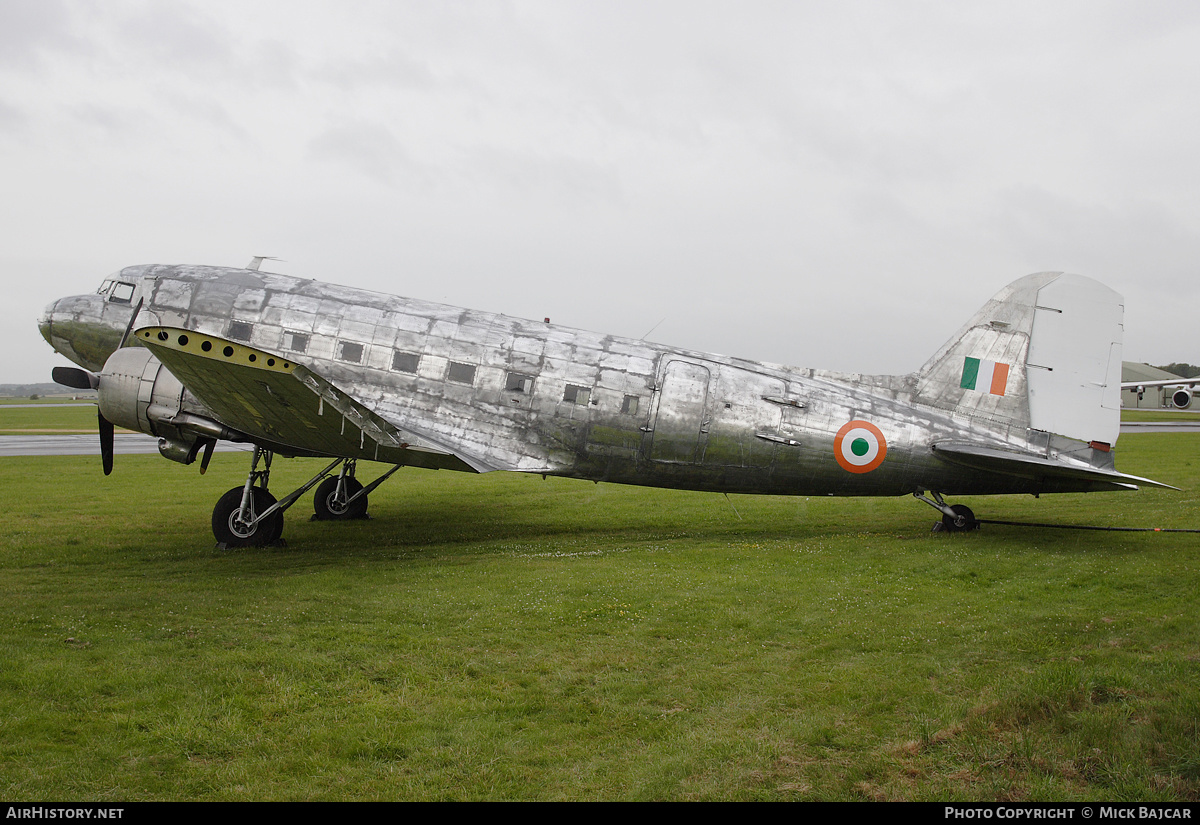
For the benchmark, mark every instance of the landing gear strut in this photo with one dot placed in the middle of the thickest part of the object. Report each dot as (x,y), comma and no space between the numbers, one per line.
(235,526)
(249,516)
(345,497)
(342,497)
(956,518)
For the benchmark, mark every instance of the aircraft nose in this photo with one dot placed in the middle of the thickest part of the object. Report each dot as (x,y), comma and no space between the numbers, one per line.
(77,327)
(46,322)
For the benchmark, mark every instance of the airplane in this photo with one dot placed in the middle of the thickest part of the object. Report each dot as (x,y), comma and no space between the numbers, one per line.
(1181,399)
(1024,399)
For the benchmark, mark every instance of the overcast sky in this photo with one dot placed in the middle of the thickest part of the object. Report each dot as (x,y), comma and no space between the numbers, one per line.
(825,184)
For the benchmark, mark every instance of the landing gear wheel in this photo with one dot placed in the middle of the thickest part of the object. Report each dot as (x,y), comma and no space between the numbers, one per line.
(327,505)
(231,531)
(962,520)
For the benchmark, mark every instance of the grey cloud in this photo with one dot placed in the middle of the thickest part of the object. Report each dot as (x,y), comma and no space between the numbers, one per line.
(30,29)
(370,149)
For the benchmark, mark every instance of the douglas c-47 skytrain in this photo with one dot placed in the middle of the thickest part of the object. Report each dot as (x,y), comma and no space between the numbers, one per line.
(1024,399)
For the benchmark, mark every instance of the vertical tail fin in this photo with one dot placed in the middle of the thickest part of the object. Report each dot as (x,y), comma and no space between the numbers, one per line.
(1043,354)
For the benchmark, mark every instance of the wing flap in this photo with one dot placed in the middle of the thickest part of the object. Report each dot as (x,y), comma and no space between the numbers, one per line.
(273,399)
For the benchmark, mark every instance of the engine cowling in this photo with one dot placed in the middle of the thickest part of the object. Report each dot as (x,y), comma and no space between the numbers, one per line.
(138,393)
(1182,398)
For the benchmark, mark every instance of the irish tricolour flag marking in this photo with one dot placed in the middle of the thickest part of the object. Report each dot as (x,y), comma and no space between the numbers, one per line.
(984,376)
(859,447)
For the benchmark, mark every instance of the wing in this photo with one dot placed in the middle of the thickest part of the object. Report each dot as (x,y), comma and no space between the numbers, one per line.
(1028,465)
(286,405)
(1178,382)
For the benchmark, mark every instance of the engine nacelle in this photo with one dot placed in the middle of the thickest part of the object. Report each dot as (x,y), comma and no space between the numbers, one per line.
(138,393)
(1181,399)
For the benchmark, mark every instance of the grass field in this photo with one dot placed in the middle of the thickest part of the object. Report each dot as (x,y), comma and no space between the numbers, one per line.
(47,419)
(505,637)
(1190,414)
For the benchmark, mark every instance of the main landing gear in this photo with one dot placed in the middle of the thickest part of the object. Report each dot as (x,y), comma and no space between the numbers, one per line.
(249,516)
(956,518)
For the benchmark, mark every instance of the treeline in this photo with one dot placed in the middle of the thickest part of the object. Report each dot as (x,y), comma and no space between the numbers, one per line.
(26,390)
(1182,370)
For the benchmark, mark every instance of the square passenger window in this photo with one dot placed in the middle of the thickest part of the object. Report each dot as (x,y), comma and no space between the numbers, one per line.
(295,341)
(461,373)
(629,405)
(240,330)
(350,351)
(405,361)
(517,382)
(577,395)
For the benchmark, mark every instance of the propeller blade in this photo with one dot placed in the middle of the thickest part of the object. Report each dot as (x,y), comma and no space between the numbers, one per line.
(208,451)
(106,442)
(75,378)
(129,326)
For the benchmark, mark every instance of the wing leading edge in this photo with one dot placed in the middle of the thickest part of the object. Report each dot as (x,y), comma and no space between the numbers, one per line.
(272,399)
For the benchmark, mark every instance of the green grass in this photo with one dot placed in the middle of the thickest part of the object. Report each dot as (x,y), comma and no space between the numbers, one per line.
(1160,415)
(47,418)
(49,400)
(505,637)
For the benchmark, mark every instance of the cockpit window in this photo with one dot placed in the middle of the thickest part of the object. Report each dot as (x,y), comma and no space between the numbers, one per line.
(122,293)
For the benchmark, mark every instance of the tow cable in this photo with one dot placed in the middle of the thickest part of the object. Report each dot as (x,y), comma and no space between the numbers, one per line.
(1091,527)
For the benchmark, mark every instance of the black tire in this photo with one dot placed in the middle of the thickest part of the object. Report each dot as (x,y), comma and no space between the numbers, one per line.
(327,507)
(229,530)
(962,520)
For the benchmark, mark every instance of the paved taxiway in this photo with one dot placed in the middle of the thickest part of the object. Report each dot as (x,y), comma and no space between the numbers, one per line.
(1163,427)
(123,444)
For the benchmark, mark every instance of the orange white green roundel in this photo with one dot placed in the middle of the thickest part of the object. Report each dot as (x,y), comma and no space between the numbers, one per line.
(859,447)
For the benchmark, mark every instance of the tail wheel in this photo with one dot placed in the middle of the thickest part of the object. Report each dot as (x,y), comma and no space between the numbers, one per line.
(328,505)
(231,531)
(962,520)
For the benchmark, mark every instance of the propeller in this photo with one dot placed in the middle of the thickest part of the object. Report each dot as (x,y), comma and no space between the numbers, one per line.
(129,326)
(83,380)
(75,378)
(106,442)
(208,451)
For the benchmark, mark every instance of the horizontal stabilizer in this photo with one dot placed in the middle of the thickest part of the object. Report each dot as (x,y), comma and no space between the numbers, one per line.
(1029,465)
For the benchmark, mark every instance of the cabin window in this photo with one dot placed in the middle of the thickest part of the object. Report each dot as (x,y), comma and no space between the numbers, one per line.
(122,293)
(577,395)
(350,351)
(461,373)
(517,382)
(240,330)
(629,405)
(295,341)
(405,361)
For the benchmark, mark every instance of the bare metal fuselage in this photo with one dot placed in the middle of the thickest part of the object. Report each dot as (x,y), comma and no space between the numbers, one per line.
(533,397)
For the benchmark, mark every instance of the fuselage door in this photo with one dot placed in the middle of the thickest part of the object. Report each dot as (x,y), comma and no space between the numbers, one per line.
(682,401)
